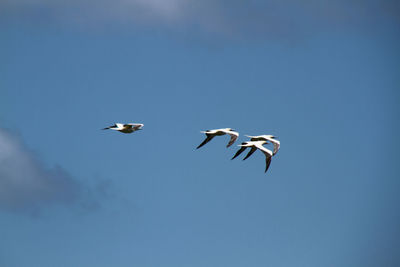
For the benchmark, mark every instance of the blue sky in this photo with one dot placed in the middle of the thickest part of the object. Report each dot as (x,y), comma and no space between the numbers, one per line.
(323,77)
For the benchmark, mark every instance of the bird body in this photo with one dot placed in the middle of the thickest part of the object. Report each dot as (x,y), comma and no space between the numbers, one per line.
(269,138)
(254,145)
(218,132)
(125,128)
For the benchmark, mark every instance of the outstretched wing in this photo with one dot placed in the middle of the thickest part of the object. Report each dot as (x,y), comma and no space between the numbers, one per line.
(268,156)
(252,150)
(255,138)
(258,138)
(267,162)
(109,127)
(137,126)
(234,136)
(128,126)
(208,139)
(277,145)
(133,126)
(243,148)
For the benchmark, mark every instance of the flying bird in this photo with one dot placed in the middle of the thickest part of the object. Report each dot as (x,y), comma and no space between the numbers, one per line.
(218,132)
(269,138)
(125,128)
(254,146)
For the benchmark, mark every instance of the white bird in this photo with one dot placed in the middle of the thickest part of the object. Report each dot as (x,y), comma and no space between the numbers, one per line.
(268,137)
(254,146)
(125,128)
(218,132)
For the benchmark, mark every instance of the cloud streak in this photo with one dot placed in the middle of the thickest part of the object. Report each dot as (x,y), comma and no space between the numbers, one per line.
(229,17)
(27,186)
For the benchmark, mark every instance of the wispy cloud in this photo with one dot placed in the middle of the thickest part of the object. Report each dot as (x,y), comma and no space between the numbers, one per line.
(26,185)
(266,18)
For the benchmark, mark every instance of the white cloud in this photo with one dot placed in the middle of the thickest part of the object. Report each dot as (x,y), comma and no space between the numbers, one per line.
(25,184)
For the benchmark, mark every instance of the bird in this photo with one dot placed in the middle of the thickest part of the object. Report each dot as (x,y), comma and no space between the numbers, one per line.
(254,146)
(269,138)
(218,132)
(125,128)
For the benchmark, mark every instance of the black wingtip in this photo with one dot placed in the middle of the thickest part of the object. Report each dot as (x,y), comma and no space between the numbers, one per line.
(268,163)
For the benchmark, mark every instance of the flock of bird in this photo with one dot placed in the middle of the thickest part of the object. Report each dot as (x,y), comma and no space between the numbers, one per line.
(256,142)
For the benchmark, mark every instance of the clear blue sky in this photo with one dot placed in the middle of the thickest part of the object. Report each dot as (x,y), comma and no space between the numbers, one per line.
(323,77)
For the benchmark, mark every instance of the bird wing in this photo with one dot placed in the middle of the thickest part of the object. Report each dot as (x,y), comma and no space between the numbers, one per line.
(234,136)
(208,139)
(137,126)
(243,148)
(210,131)
(128,125)
(258,138)
(267,163)
(109,127)
(276,144)
(268,155)
(254,138)
(252,150)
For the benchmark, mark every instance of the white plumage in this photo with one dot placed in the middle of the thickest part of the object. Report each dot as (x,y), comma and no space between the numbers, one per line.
(125,128)
(267,137)
(218,132)
(254,146)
